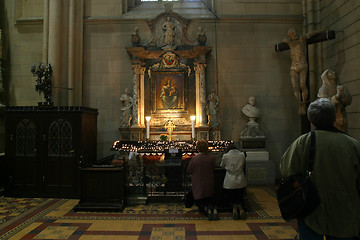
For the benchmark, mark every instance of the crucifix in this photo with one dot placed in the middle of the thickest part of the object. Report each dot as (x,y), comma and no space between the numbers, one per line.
(299,65)
(169,126)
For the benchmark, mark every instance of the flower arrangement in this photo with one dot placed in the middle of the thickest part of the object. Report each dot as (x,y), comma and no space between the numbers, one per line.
(163,137)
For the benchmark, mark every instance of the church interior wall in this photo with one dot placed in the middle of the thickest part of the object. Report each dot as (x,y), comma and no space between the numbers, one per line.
(343,54)
(242,63)
(236,8)
(23,46)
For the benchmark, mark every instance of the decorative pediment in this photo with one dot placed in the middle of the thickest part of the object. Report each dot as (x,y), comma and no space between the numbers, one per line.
(169,60)
(168,30)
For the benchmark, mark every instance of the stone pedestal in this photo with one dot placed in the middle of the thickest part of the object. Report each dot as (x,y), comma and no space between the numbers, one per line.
(215,134)
(253,143)
(132,134)
(202,133)
(259,168)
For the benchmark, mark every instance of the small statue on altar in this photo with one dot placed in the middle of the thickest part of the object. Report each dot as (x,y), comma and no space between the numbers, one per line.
(212,109)
(135,38)
(126,103)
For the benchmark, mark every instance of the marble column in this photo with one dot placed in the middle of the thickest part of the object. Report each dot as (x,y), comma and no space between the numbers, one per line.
(74,63)
(46,32)
(200,82)
(141,106)
(138,96)
(54,54)
(63,48)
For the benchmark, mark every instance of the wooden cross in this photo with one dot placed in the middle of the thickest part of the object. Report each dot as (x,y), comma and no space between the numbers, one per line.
(320,37)
(299,67)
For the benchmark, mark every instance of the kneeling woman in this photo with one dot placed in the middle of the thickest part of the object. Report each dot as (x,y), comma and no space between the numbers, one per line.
(201,168)
(235,182)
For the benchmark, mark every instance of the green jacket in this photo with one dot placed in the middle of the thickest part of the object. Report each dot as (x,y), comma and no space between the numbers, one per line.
(336,177)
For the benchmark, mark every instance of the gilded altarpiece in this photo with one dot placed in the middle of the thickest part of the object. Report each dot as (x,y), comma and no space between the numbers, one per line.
(169,81)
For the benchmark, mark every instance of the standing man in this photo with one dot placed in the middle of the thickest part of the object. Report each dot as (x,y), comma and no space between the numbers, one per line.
(336,176)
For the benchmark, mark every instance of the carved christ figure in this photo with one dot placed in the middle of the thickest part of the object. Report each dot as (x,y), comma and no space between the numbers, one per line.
(299,66)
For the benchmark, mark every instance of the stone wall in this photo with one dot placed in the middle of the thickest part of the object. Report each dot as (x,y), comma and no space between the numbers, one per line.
(343,54)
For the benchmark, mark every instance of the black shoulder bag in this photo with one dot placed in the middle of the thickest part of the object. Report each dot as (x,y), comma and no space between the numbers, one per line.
(296,195)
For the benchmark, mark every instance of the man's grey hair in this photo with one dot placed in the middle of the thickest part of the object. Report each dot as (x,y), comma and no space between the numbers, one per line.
(321,113)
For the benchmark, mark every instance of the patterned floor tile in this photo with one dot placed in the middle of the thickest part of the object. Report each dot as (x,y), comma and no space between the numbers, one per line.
(279,232)
(55,219)
(56,232)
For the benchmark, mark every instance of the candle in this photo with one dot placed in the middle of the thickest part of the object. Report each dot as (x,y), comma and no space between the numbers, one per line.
(192,127)
(147,128)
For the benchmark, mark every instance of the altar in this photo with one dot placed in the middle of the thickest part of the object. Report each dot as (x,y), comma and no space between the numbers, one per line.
(170,108)
(157,169)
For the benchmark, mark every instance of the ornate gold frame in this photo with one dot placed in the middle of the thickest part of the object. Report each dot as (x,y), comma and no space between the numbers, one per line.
(160,82)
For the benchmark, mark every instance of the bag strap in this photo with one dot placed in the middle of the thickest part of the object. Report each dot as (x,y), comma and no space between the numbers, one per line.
(312,152)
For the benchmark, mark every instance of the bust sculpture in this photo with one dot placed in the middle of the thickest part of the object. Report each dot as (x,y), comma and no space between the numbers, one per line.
(126,103)
(252,127)
(250,110)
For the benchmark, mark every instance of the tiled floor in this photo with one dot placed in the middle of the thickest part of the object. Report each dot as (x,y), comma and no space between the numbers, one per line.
(54,219)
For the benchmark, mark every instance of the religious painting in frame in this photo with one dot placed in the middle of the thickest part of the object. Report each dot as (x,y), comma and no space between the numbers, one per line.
(168,91)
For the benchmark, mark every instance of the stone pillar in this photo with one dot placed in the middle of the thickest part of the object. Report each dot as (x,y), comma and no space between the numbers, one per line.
(54,54)
(74,63)
(200,94)
(46,32)
(137,69)
(63,48)
(141,105)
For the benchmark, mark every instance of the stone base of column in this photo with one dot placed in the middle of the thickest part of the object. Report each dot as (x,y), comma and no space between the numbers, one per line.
(202,133)
(132,134)
(215,134)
